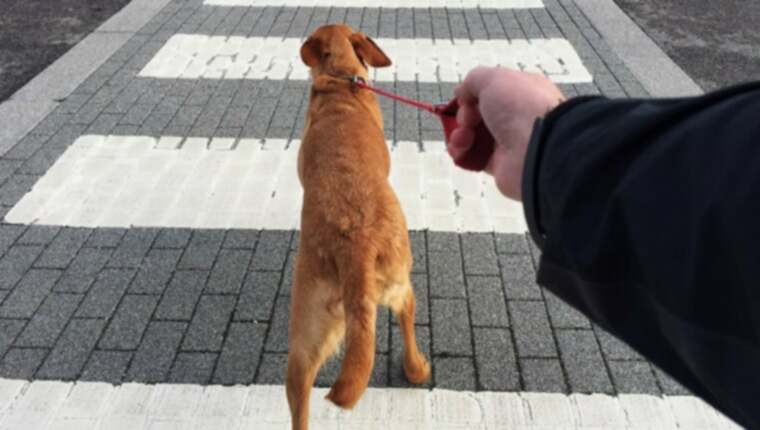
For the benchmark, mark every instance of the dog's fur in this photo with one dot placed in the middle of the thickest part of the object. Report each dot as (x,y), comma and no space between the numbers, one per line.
(354,251)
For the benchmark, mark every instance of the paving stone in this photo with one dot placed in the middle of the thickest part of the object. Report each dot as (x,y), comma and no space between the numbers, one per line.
(458,24)
(193,367)
(51,124)
(156,271)
(15,263)
(209,323)
(129,322)
(272,369)
(257,296)
(22,363)
(517,267)
(155,124)
(37,164)
(419,251)
(613,348)
(479,254)
(387,23)
(441,241)
(136,115)
(380,375)
(633,377)
(202,250)
(83,270)
(511,244)
(9,329)
(68,357)
(563,315)
(455,373)
(173,238)
(240,354)
(85,115)
(493,26)
(105,238)
(277,338)
(487,304)
(63,248)
(272,250)
(420,287)
(156,353)
(670,386)
(451,327)
(49,320)
(105,293)
(397,376)
(8,235)
(533,335)
(446,277)
(543,375)
(240,239)
(26,147)
(133,248)
(583,361)
(518,278)
(24,300)
(104,123)
(106,366)
(179,299)
(287,277)
(228,273)
(382,330)
(38,235)
(495,359)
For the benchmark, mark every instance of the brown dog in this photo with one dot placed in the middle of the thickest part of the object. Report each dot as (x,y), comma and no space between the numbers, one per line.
(354,250)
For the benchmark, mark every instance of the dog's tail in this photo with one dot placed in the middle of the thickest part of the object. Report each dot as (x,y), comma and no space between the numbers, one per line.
(358,279)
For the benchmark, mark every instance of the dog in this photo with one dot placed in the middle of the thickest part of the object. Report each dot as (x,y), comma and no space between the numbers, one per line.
(354,251)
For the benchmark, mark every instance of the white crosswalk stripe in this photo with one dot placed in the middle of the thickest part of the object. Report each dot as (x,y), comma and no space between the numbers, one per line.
(86,405)
(456,4)
(192,56)
(141,181)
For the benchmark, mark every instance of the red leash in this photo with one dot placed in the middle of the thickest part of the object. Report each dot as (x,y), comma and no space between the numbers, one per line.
(476,158)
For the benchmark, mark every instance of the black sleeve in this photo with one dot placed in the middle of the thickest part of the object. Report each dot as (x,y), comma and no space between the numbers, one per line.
(647,213)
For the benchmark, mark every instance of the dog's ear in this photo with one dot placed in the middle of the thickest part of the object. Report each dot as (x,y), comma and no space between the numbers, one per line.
(311,51)
(369,51)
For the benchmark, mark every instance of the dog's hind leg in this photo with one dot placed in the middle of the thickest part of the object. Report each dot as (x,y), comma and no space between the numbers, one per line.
(416,367)
(316,329)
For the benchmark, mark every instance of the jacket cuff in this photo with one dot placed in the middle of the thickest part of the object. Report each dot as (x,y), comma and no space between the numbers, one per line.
(531,167)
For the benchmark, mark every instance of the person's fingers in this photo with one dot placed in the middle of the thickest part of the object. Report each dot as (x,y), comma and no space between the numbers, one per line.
(468,115)
(460,142)
(474,83)
(464,97)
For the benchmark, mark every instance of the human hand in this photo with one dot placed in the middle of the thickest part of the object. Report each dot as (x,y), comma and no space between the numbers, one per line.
(508,102)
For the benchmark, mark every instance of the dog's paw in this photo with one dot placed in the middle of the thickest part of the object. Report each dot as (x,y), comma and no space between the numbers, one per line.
(343,395)
(417,370)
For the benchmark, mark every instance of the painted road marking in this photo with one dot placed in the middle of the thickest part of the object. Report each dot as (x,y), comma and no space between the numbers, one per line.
(449,4)
(55,405)
(191,56)
(141,181)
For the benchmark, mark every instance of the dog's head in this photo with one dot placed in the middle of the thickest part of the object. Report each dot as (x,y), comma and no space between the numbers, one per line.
(338,50)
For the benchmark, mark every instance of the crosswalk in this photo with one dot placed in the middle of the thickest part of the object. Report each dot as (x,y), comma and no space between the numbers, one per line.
(250,181)
(189,56)
(456,4)
(194,133)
